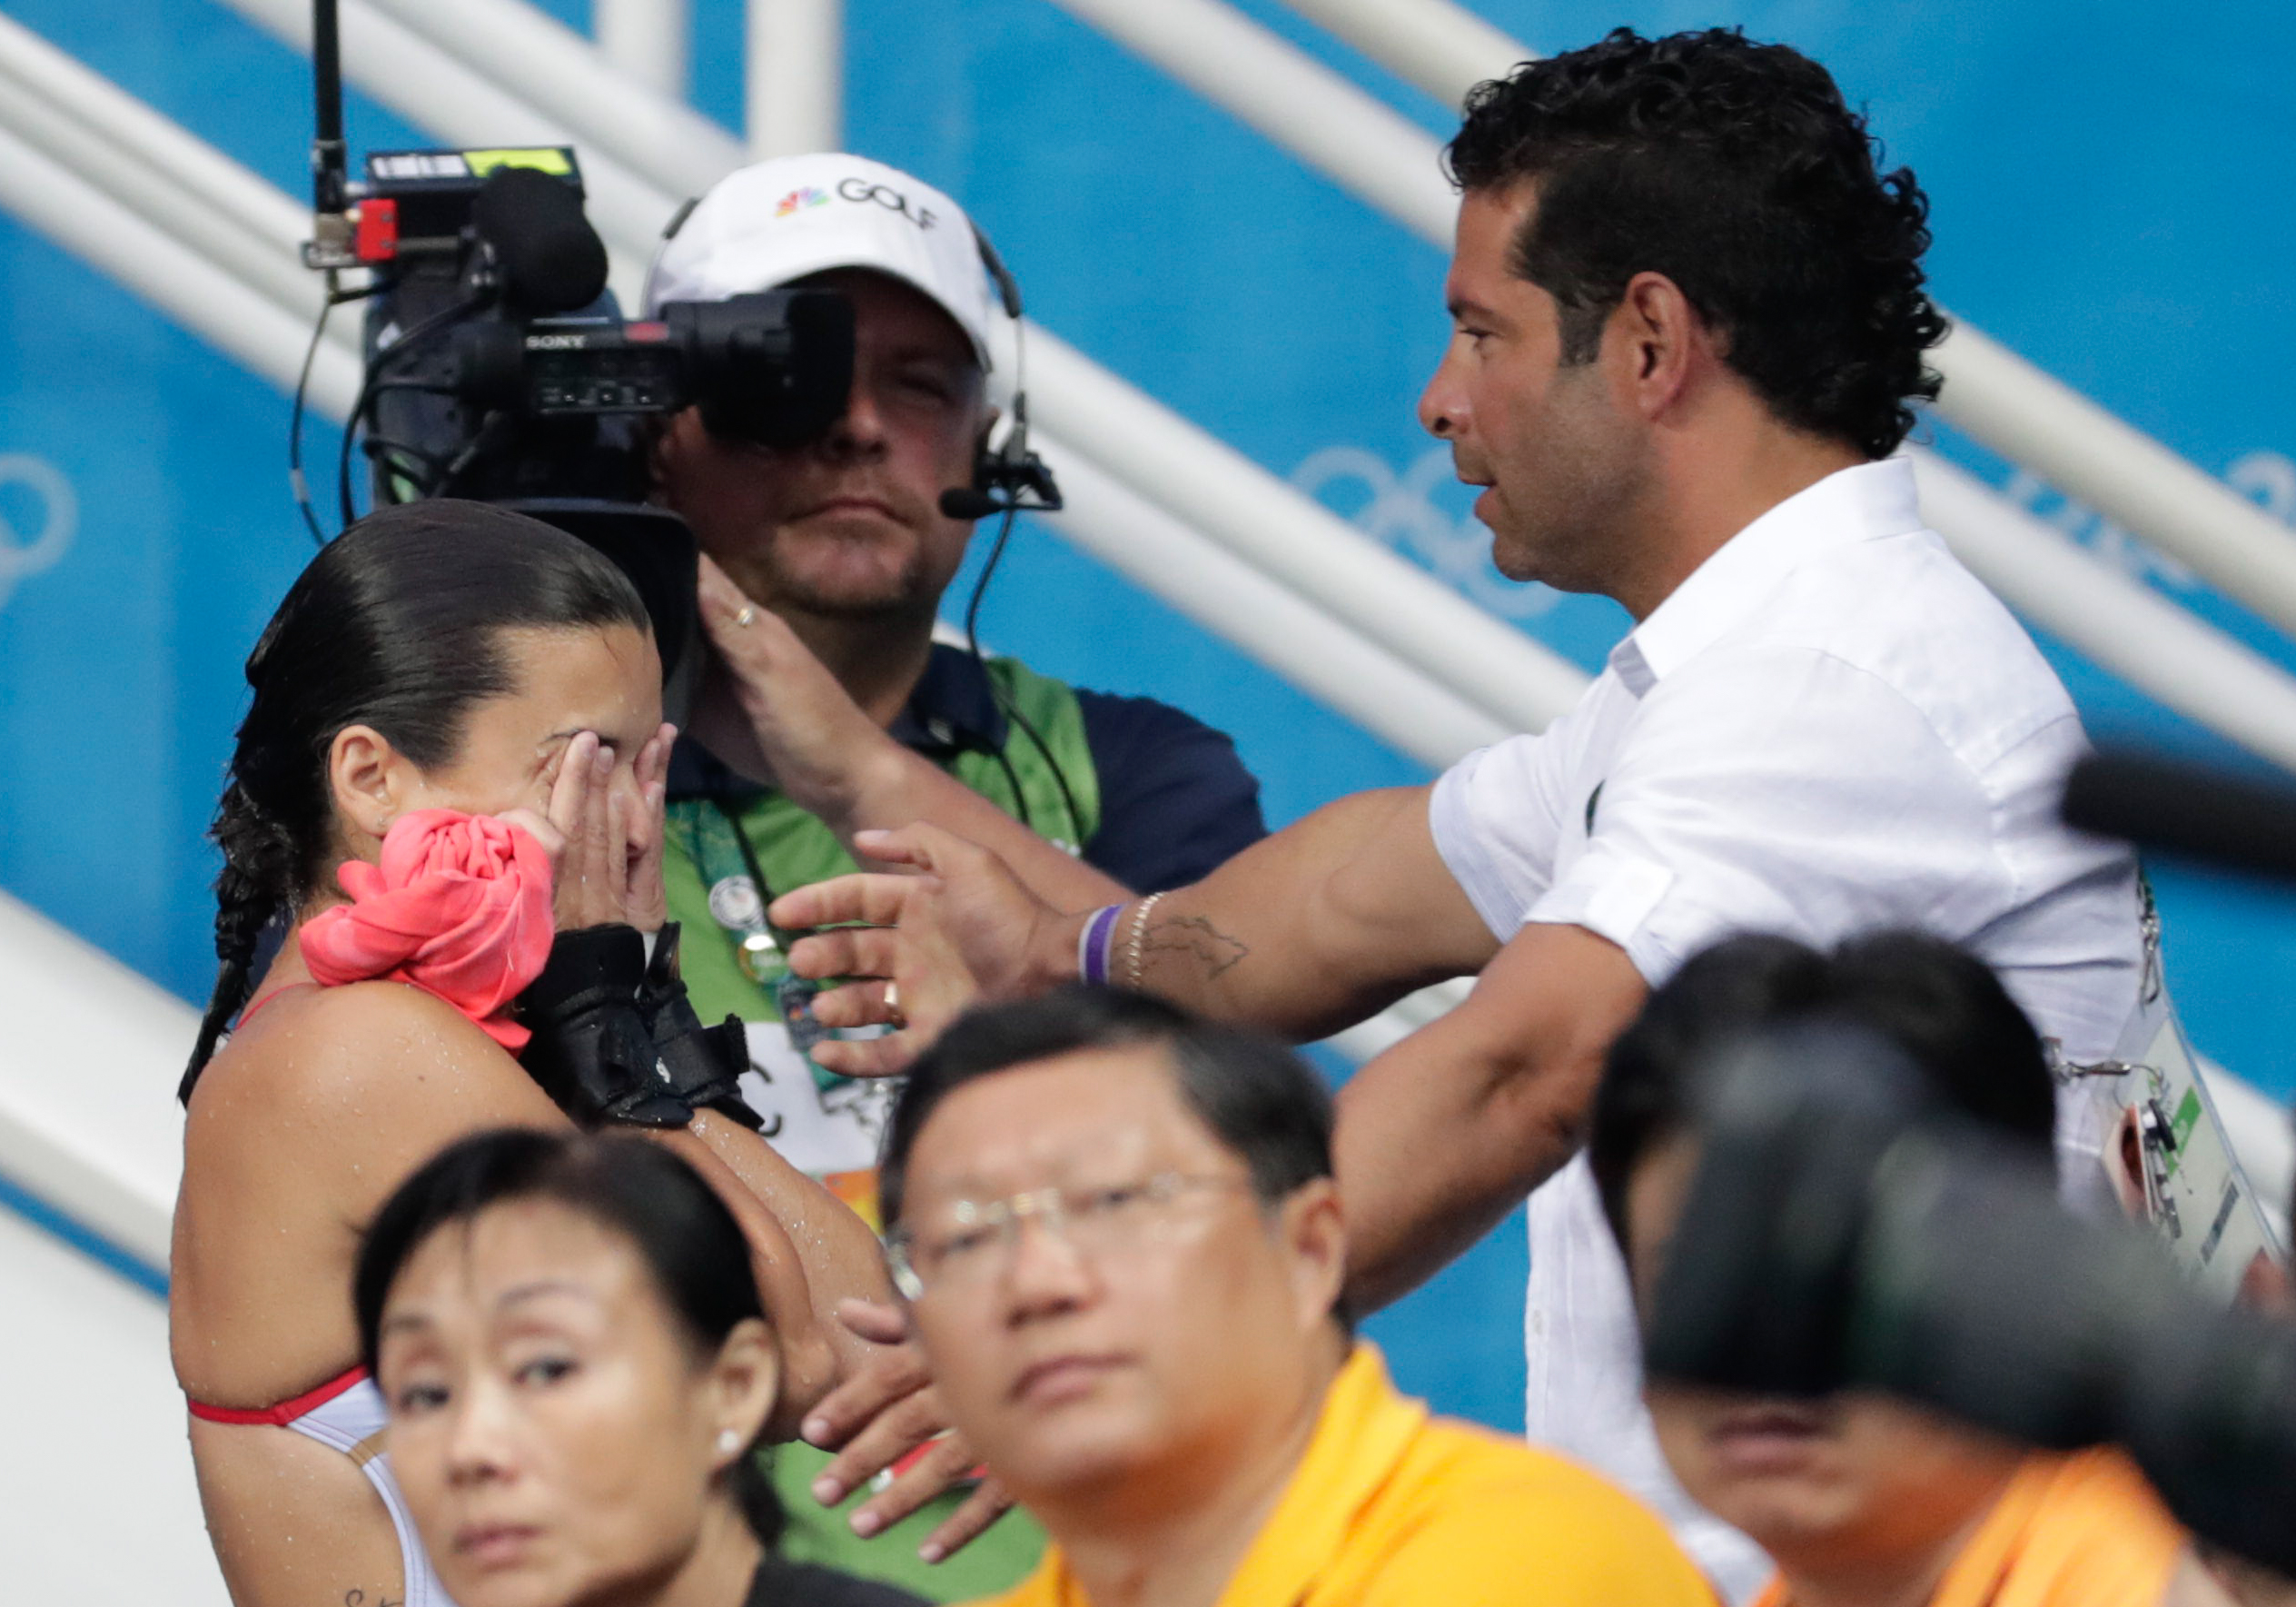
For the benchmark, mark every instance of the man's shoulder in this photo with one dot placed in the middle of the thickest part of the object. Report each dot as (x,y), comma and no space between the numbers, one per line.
(1466,1503)
(1452,1461)
(1176,799)
(2093,1515)
(1124,721)
(1902,615)
(1901,660)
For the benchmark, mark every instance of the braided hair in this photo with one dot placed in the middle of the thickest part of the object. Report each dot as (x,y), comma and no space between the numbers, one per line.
(395,625)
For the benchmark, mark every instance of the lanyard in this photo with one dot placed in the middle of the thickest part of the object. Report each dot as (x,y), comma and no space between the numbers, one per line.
(711,831)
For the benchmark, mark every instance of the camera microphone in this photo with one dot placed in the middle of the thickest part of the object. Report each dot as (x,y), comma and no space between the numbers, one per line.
(965,502)
(550,259)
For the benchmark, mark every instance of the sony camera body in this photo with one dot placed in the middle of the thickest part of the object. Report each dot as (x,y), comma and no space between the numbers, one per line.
(498,367)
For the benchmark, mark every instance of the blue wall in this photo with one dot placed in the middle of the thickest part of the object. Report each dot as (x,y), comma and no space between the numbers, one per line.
(2107,199)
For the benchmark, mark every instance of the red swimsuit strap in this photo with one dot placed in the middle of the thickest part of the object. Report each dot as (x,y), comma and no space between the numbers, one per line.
(248,1013)
(286,1411)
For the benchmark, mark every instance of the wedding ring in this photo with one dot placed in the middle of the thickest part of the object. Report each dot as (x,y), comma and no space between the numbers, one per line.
(747,615)
(893,997)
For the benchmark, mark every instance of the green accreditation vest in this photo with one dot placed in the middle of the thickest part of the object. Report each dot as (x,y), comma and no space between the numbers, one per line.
(829,1125)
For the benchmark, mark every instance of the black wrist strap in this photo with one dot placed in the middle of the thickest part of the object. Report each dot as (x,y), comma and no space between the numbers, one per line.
(592,1051)
(703,1063)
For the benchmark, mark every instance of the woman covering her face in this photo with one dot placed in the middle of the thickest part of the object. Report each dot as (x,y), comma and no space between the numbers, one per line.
(454,746)
(575,1364)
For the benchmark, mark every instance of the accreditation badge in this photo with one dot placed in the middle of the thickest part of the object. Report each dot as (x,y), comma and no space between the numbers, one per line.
(829,1134)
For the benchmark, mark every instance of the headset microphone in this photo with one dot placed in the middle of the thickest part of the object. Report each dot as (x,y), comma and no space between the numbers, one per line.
(1007,478)
(963,502)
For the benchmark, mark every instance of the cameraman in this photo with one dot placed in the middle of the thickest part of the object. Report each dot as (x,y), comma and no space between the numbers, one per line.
(1862,1500)
(826,707)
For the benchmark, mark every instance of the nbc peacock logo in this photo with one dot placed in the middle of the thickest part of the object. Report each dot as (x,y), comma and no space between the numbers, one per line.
(798,199)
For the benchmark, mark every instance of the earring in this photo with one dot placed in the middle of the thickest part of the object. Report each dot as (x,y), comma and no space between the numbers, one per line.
(728,1441)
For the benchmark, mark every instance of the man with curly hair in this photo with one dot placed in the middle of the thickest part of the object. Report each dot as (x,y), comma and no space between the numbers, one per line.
(1688,332)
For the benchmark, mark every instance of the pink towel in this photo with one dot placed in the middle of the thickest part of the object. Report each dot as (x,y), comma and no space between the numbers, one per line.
(460,907)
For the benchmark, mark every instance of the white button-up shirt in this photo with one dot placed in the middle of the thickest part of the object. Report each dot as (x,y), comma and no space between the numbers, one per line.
(1831,726)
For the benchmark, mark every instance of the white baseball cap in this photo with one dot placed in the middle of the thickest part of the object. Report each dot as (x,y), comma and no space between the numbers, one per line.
(763,225)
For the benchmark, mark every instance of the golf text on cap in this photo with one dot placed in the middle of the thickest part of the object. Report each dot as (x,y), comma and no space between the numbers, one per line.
(884,195)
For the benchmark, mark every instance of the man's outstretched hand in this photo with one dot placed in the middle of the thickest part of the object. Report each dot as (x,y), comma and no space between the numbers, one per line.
(881,1414)
(958,929)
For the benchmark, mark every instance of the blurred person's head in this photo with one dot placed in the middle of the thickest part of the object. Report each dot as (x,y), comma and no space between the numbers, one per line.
(1675,257)
(847,526)
(1855,1477)
(577,1367)
(1119,1235)
(436,655)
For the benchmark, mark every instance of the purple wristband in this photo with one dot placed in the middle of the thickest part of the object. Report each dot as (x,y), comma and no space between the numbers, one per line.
(1094,943)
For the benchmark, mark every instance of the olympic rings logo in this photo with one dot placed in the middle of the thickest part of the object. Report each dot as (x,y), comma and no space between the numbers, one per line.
(1401,513)
(884,195)
(27,552)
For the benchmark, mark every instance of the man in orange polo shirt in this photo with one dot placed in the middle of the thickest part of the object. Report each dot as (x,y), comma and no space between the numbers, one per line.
(1121,1247)
(1865,1500)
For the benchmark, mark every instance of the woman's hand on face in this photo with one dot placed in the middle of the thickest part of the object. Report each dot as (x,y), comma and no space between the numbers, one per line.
(641,793)
(603,833)
(591,873)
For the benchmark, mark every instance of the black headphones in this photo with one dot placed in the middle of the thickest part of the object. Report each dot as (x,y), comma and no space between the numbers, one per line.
(1007,478)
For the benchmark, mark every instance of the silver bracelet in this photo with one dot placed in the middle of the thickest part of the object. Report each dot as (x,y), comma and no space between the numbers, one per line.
(1132,945)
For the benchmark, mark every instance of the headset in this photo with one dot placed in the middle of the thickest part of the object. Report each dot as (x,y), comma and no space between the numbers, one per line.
(1007,478)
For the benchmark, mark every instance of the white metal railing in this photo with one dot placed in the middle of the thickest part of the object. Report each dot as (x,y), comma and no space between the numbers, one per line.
(793,94)
(647,39)
(1444,49)
(87,1106)
(561,77)
(189,189)
(2014,407)
(1353,138)
(2119,623)
(75,163)
(1268,619)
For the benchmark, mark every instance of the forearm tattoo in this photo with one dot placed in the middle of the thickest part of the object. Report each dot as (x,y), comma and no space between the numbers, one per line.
(1214,950)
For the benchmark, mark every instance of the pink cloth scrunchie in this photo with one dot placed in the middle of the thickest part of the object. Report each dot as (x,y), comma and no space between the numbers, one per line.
(460,907)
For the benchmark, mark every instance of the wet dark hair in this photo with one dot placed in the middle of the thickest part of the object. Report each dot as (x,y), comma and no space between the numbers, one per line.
(1960,1030)
(396,624)
(1736,169)
(689,1241)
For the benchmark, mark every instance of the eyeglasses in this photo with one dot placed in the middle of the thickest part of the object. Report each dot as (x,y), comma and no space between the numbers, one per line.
(975,1240)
